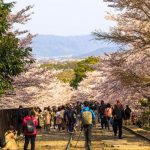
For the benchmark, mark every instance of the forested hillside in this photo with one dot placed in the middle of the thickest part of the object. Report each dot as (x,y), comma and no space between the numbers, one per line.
(50,46)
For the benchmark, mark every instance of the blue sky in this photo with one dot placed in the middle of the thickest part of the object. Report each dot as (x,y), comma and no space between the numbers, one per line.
(65,17)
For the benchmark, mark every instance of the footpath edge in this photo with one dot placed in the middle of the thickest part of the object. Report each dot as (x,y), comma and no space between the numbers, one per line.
(136,133)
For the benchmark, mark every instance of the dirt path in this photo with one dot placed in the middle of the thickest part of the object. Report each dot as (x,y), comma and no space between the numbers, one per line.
(101,140)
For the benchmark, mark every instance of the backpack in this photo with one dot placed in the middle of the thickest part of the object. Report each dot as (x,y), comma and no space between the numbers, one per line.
(87,117)
(30,126)
(108,112)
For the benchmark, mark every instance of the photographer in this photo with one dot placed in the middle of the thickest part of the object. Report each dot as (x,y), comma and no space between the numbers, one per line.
(10,139)
(88,117)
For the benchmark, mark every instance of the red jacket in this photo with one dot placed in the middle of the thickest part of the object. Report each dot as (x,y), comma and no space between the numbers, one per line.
(25,119)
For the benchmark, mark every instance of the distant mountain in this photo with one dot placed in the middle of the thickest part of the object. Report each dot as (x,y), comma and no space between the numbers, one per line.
(60,46)
(99,52)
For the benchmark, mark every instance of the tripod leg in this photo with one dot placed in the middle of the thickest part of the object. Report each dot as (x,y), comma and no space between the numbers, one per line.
(69,142)
(78,139)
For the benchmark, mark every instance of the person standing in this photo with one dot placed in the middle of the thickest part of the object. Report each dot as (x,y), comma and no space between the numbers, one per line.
(108,115)
(127,114)
(118,115)
(70,117)
(47,119)
(53,116)
(29,125)
(20,116)
(88,117)
(41,120)
(101,114)
(59,118)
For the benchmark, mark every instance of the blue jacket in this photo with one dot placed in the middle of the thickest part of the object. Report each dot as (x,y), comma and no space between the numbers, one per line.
(88,109)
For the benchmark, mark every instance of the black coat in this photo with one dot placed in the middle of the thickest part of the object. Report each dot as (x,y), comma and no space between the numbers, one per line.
(118,113)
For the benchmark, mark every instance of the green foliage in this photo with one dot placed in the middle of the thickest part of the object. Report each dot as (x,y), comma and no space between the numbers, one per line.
(60,65)
(13,58)
(145,102)
(81,69)
(4,12)
(66,76)
(92,60)
(73,71)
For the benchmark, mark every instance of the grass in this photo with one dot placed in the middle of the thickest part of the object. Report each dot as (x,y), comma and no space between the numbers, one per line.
(66,76)
(60,65)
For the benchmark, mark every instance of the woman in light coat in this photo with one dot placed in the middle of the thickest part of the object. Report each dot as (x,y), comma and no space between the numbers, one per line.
(10,139)
(47,120)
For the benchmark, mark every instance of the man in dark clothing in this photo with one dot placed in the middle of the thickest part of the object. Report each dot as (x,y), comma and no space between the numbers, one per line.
(118,115)
(127,112)
(70,117)
(101,112)
(78,108)
(20,116)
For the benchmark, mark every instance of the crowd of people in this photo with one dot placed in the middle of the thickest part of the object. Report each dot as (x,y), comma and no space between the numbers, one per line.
(70,118)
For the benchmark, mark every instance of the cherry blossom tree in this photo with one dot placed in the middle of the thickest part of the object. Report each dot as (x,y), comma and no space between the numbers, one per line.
(127,72)
(14,56)
(21,17)
(37,87)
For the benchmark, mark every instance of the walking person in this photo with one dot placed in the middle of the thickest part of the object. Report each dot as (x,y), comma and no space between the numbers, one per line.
(36,115)
(101,112)
(62,116)
(59,118)
(53,116)
(127,115)
(88,118)
(29,125)
(41,120)
(20,116)
(108,115)
(47,120)
(70,117)
(118,115)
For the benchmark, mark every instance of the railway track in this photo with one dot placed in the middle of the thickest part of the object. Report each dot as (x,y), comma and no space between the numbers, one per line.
(101,140)
(104,140)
